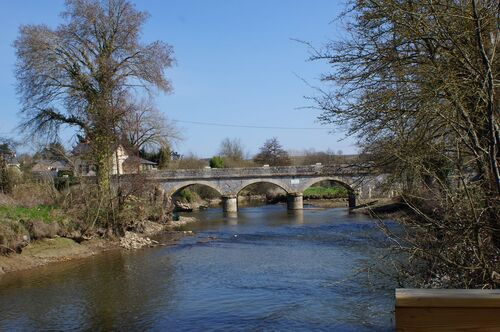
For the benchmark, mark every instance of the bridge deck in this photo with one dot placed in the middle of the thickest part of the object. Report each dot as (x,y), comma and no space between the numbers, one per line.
(260,172)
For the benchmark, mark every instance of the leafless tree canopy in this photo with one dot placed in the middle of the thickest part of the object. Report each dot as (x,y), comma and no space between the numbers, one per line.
(143,126)
(417,82)
(69,74)
(84,72)
(232,149)
(419,75)
(328,157)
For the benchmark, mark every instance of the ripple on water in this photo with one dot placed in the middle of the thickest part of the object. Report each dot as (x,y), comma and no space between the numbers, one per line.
(282,271)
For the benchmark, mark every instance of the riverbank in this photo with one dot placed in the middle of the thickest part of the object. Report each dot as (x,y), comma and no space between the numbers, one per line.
(386,208)
(60,249)
(45,251)
(326,203)
(363,205)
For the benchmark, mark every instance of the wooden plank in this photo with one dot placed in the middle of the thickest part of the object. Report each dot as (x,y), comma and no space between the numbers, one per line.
(406,297)
(447,310)
(447,319)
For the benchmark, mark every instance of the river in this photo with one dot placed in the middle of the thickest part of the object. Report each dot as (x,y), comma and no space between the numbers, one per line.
(264,269)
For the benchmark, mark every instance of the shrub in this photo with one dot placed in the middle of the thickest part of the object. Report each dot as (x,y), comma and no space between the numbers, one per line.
(38,229)
(327,193)
(217,162)
(64,180)
(189,161)
(35,194)
(12,235)
(187,195)
(204,192)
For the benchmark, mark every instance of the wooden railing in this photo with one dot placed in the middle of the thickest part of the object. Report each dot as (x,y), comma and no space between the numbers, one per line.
(447,310)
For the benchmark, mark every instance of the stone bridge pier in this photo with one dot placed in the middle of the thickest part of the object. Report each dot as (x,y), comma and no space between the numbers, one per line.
(229,182)
(230,203)
(295,201)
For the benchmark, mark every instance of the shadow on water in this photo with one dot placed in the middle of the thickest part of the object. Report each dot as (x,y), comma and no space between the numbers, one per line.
(264,268)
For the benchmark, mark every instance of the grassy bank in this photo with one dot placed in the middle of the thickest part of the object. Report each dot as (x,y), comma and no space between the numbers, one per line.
(36,210)
(21,224)
(45,213)
(325,192)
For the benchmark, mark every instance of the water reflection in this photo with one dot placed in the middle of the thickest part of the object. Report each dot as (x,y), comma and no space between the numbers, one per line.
(231,217)
(293,217)
(105,292)
(264,268)
(296,216)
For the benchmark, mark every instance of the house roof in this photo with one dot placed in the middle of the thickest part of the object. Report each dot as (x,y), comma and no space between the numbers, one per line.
(81,148)
(45,165)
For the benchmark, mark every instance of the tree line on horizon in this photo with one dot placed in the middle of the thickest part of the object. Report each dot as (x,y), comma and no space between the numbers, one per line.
(231,153)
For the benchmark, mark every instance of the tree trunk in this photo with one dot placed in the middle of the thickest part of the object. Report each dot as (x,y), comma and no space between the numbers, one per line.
(103,174)
(102,151)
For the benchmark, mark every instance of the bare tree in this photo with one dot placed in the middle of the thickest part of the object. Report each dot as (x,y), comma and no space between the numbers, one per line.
(52,151)
(273,154)
(144,127)
(189,161)
(417,82)
(328,157)
(232,150)
(83,72)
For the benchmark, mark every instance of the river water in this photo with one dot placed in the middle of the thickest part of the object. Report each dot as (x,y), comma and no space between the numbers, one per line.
(266,269)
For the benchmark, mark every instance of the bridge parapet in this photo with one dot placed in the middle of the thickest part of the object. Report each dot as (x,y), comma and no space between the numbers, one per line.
(260,172)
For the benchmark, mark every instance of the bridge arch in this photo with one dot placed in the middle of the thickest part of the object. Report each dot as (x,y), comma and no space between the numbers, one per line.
(277,183)
(171,191)
(351,196)
(309,182)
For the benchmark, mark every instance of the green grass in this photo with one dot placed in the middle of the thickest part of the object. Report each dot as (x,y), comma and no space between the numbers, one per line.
(187,196)
(45,213)
(324,192)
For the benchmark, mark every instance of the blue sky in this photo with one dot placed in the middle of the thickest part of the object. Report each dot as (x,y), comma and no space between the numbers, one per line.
(236,64)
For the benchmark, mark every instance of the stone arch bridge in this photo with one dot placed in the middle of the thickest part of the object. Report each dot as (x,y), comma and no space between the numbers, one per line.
(228,182)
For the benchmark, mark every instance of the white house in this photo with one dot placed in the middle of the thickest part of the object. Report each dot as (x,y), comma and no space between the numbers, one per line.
(122,161)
